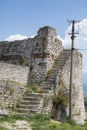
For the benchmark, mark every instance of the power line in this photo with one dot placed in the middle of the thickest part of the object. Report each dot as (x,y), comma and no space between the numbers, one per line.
(83,49)
(71,68)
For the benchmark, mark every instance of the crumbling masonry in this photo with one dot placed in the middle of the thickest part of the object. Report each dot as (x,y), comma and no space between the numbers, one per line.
(40,60)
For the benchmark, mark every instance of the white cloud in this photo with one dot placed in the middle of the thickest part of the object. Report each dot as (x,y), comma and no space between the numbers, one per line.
(16,37)
(80,40)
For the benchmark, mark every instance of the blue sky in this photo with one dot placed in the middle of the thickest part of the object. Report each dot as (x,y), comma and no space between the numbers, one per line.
(25,17)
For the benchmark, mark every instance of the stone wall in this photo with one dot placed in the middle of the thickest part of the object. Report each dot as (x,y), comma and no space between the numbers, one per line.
(35,103)
(16,52)
(38,52)
(58,82)
(78,111)
(15,73)
(33,58)
(10,94)
(46,48)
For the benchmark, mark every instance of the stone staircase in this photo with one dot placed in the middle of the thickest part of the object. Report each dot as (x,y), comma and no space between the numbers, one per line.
(58,66)
(30,104)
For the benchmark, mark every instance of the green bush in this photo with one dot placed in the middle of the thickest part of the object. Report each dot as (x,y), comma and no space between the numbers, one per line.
(60,99)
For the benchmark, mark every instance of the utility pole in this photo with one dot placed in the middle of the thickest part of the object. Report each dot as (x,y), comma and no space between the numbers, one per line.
(71,69)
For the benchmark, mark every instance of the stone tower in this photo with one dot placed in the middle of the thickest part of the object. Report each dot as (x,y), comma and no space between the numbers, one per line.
(46,48)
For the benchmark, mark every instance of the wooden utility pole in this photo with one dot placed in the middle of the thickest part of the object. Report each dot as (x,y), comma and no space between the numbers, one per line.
(71,69)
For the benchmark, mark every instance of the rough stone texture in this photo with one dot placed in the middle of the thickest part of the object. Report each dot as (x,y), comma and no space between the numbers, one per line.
(78,111)
(35,103)
(39,54)
(16,52)
(10,94)
(46,48)
(59,80)
(16,73)
(18,125)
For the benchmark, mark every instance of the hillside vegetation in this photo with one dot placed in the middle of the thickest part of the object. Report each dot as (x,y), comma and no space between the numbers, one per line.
(40,122)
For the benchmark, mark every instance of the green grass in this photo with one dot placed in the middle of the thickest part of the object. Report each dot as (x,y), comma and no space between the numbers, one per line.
(44,122)
(11,119)
(33,88)
(2,128)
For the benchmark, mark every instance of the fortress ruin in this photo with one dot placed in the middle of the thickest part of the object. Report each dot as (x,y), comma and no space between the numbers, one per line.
(41,60)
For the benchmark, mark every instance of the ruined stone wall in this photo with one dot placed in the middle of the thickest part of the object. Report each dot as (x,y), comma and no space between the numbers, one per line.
(10,95)
(14,73)
(46,48)
(37,55)
(39,52)
(16,52)
(78,111)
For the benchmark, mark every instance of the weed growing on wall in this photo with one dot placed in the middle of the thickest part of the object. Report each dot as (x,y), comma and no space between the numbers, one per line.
(33,87)
(61,99)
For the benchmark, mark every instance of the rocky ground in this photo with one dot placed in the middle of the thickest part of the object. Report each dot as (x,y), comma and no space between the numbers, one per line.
(18,125)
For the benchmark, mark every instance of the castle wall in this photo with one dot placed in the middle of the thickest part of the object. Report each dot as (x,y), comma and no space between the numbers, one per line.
(10,95)
(16,52)
(78,111)
(15,73)
(38,52)
(34,57)
(46,48)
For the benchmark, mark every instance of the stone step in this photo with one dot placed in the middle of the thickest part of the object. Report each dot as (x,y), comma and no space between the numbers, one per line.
(48,91)
(47,87)
(47,83)
(65,55)
(52,77)
(33,94)
(51,80)
(24,114)
(28,111)
(28,106)
(63,58)
(29,102)
(57,68)
(31,98)
(60,65)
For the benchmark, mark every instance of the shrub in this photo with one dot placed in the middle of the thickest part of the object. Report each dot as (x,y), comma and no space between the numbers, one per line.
(61,99)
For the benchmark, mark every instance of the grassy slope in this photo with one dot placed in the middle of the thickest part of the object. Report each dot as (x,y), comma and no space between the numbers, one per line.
(40,122)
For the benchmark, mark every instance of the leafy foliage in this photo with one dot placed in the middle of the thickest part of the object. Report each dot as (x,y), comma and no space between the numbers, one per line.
(61,99)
